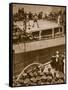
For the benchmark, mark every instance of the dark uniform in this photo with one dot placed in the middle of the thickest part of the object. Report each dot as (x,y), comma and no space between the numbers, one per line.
(35,20)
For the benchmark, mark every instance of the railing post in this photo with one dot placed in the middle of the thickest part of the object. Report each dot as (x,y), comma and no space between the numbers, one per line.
(40,35)
(62,30)
(59,30)
(53,33)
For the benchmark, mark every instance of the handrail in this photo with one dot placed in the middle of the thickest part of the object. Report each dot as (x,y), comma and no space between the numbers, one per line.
(26,68)
(30,65)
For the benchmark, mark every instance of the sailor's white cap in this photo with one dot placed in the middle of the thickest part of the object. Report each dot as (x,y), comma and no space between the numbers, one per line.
(57,52)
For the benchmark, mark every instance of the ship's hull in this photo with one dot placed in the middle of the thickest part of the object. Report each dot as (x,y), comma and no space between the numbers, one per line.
(36,45)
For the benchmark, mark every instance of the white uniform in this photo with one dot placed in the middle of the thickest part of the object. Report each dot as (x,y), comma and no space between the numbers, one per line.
(59,17)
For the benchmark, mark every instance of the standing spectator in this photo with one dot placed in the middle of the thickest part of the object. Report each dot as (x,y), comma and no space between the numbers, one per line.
(30,16)
(61,64)
(57,59)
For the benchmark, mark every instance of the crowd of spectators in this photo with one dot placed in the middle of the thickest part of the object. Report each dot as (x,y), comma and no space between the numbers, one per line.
(22,14)
(38,76)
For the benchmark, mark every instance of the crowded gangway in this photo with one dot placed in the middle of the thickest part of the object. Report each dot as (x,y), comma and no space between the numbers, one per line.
(52,72)
(28,21)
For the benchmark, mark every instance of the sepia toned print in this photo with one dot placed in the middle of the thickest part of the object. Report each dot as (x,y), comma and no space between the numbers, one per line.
(38,44)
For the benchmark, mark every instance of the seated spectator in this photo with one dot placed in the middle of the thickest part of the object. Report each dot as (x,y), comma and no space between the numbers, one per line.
(49,73)
(54,80)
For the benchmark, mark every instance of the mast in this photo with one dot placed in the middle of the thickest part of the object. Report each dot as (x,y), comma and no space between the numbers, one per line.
(24,24)
(24,28)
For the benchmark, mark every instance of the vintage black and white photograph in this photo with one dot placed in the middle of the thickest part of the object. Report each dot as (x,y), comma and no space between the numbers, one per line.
(38,44)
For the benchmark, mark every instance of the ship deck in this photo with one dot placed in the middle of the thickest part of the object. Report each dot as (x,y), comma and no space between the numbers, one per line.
(39,44)
(43,24)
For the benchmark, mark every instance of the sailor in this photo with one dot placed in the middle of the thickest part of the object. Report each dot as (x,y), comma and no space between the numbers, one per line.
(28,21)
(59,19)
(35,20)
